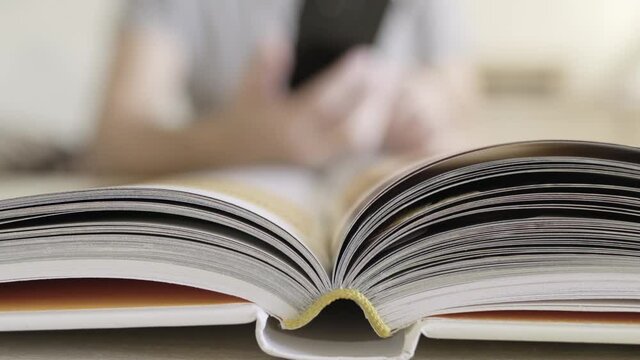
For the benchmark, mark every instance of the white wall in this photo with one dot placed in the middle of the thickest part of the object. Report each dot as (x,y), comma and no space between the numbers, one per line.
(590,39)
(53,54)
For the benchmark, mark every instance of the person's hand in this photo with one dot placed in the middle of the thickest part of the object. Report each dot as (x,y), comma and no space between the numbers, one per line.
(423,115)
(312,126)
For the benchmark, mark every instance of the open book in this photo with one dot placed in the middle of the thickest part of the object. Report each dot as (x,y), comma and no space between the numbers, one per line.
(524,241)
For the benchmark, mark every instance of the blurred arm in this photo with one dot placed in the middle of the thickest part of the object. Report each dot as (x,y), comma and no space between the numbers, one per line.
(149,73)
(263,122)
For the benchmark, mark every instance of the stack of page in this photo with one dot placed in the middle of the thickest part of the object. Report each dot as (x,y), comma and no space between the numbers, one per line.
(525,241)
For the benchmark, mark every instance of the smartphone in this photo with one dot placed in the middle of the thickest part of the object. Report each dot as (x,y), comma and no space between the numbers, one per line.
(327,29)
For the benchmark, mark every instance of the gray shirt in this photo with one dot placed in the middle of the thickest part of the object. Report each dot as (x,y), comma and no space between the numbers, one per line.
(219,36)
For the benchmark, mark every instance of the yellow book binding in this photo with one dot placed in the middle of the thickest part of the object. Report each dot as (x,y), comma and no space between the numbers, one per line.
(367,307)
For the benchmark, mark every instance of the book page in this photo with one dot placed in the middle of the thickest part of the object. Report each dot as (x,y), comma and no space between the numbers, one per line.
(483,230)
(286,196)
(350,183)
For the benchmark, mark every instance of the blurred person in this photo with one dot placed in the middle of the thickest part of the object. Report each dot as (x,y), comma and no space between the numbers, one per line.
(230,61)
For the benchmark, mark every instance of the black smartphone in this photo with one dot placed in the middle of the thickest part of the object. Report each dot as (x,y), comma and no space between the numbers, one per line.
(329,28)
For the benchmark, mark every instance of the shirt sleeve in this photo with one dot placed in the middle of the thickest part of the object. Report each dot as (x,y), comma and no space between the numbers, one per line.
(177,18)
(442,33)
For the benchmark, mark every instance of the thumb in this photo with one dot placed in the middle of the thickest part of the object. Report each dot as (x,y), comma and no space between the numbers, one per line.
(269,70)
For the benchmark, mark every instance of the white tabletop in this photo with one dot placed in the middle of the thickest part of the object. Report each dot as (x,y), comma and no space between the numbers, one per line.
(238,342)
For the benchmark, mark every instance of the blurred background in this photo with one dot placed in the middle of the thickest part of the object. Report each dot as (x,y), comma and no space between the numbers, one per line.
(545,69)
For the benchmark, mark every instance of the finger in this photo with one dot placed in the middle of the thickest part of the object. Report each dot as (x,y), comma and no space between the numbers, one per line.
(268,73)
(410,134)
(277,60)
(370,120)
(415,129)
(341,140)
